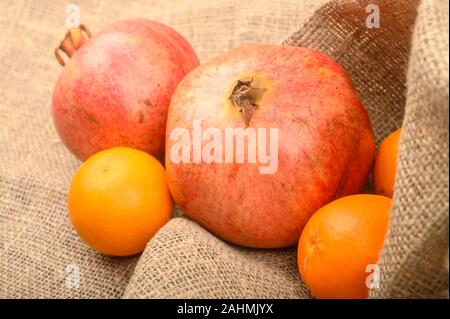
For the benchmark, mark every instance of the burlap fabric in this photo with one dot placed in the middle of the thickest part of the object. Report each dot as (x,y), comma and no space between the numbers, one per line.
(39,250)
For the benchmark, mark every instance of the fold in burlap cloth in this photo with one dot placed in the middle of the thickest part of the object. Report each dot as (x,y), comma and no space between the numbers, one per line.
(399,70)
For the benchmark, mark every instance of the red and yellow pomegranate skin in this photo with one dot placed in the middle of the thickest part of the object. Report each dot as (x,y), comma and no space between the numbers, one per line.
(116,88)
(325,148)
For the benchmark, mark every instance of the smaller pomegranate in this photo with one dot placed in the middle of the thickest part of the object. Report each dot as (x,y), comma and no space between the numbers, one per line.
(116,87)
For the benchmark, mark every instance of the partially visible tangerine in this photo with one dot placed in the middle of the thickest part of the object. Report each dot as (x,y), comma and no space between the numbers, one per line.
(386,165)
(340,242)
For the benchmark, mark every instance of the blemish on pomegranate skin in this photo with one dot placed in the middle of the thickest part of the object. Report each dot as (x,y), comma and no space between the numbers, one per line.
(140,117)
(91,118)
(148,103)
(233,171)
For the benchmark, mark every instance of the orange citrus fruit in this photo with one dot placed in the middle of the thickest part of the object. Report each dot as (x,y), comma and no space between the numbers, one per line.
(118,200)
(339,242)
(386,165)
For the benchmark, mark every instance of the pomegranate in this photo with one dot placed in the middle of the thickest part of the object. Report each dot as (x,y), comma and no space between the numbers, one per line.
(116,87)
(262,136)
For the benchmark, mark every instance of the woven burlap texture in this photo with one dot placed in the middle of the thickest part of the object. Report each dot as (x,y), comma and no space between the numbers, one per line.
(38,247)
(414,262)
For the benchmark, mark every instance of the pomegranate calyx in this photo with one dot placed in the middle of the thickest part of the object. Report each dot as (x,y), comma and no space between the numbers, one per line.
(73,40)
(245,96)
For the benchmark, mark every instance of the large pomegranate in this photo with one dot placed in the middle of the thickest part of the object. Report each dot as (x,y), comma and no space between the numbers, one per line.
(116,87)
(293,102)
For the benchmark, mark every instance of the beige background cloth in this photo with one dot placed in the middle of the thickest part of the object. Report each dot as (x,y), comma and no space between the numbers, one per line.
(38,246)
